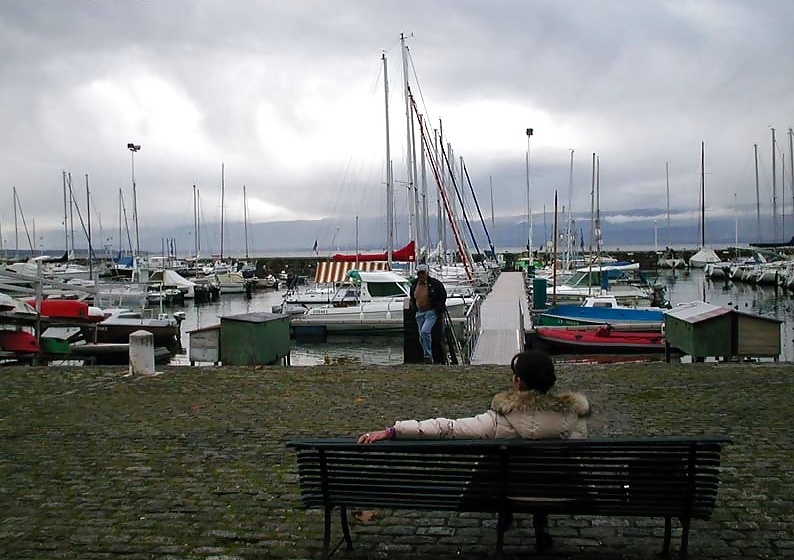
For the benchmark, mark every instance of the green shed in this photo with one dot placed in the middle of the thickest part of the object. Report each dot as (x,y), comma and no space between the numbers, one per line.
(699,329)
(703,330)
(254,339)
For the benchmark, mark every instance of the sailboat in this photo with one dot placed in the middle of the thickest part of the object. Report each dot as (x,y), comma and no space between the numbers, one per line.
(668,258)
(705,255)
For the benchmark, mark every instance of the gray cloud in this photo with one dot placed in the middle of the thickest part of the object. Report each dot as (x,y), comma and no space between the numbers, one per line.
(289,96)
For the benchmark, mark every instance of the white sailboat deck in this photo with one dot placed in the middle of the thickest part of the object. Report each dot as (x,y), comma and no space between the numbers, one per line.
(502,319)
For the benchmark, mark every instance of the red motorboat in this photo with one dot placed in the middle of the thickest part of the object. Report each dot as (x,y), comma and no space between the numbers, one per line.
(603,340)
(18,341)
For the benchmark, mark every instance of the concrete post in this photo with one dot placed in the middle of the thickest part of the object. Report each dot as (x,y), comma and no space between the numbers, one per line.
(141,353)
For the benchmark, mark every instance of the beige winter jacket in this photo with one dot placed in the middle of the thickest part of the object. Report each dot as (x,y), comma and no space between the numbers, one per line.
(523,414)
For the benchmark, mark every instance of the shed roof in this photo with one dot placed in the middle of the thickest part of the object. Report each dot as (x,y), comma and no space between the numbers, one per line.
(259,317)
(697,311)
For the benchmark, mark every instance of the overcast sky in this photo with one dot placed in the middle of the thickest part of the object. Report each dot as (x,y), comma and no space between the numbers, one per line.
(289,96)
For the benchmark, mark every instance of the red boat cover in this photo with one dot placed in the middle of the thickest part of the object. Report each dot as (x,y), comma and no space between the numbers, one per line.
(63,308)
(407,253)
(18,341)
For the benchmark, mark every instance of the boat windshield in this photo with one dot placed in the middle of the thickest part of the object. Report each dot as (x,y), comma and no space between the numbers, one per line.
(386,289)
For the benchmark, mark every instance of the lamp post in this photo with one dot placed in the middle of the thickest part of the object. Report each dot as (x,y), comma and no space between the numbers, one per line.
(529,202)
(134,148)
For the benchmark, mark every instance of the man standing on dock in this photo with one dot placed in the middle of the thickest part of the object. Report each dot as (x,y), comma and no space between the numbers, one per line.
(428,298)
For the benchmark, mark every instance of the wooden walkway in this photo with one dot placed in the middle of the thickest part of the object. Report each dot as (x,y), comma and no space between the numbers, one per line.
(502,317)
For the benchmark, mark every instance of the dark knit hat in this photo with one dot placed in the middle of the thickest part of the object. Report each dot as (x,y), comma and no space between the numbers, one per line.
(535,370)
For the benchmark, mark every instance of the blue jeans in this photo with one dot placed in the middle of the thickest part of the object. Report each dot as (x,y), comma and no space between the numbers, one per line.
(425,321)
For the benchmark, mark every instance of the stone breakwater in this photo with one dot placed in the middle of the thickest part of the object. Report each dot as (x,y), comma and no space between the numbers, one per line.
(192,464)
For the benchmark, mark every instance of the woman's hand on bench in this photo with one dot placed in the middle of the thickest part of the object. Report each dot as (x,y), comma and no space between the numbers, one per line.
(372,437)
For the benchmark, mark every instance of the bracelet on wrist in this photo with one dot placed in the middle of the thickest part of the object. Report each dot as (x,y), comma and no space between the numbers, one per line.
(391,433)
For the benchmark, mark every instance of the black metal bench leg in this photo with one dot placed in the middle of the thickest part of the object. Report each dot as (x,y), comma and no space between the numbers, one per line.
(346,527)
(503,523)
(685,522)
(668,533)
(327,532)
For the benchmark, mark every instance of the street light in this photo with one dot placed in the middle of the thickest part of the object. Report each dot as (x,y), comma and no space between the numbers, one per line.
(529,202)
(134,148)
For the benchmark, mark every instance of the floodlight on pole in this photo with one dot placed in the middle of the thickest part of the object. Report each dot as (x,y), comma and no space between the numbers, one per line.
(530,131)
(132,147)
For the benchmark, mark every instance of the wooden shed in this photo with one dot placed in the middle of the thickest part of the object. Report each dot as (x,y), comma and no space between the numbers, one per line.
(205,344)
(756,336)
(704,330)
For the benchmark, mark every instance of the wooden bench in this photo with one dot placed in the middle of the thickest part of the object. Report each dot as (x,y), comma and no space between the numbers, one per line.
(649,476)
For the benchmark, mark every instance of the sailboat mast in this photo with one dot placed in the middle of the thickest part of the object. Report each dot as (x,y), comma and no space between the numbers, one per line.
(493,222)
(16,223)
(389,184)
(88,211)
(71,214)
(195,226)
(757,193)
(667,184)
(245,220)
(409,151)
(569,242)
(774,189)
(223,186)
(702,195)
(598,209)
(791,164)
(65,225)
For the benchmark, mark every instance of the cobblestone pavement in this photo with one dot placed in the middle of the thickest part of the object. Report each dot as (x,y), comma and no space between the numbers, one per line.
(192,464)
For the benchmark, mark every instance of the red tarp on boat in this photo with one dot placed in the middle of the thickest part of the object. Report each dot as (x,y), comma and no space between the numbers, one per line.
(604,339)
(407,253)
(18,341)
(61,308)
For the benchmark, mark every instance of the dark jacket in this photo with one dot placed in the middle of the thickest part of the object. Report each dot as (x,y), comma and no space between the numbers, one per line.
(436,291)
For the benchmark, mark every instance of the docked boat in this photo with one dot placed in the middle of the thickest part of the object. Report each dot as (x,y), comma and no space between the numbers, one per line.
(601,340)
(378,309)
(118,327)
(601,310)
(623,281)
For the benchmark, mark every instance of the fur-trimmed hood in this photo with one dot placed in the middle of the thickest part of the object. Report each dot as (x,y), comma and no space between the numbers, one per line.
(531,401)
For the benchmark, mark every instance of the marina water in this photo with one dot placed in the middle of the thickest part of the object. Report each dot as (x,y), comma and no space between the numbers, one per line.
(681,287)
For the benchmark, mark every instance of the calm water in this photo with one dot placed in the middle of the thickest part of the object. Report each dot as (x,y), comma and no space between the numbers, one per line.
(681,287)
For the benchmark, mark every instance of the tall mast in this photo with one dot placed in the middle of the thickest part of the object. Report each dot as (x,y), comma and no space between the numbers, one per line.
(592,208)
(529,202)
(667,183)
(245,220)
(16,223)
(598,208)
(569,242)
(757,193)
(493,222)
(90,248)
(71,214)
(132,147)
(791,164)
(389,184)
(195,225)
(702,195)
(65,224)
(222,208)
(774,189)
(409,150)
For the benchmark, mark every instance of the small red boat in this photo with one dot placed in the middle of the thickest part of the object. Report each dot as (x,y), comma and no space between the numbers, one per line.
(62,308)
(604,340)
(18,341)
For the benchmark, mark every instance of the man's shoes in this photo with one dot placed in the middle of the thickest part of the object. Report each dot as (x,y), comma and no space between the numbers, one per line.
(429,361)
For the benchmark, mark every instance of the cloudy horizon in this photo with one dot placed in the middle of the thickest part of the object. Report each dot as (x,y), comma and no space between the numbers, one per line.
(288,97)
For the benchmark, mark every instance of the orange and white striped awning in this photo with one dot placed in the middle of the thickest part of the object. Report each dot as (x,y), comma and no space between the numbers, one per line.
(336,271)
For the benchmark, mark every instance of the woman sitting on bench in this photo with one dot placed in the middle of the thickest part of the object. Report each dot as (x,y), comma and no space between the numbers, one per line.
(528,411)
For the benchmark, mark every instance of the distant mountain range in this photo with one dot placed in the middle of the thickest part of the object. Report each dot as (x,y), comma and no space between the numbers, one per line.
(635,228)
